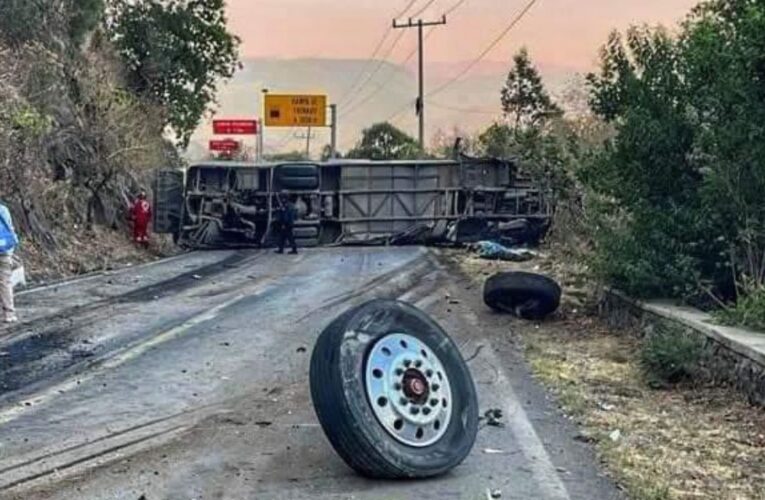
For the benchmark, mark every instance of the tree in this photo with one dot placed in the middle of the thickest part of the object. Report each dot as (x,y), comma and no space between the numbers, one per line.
(525,100)
(383,141)
(48,21)
(176,52)
(526,133)
(650,241)
(84,16)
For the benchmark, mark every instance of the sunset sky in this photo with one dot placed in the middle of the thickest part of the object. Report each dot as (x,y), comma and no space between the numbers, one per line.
(558,32)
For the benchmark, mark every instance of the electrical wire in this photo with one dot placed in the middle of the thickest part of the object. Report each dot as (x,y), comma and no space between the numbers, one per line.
(408,58)
(423,9)
(371,59)
(486,51)
(406,9)
(380,63)
(454,7)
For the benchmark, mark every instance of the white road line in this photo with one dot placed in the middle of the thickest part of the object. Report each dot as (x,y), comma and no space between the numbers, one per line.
(120,359)
(544,472)
(542,469)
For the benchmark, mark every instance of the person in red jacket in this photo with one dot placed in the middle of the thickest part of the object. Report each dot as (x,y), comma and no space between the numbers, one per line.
(140,214)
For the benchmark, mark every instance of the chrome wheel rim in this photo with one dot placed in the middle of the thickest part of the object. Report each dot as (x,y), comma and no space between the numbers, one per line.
(408,390)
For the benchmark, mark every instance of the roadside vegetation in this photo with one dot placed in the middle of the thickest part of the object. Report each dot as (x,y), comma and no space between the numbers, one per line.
(660,433)
(94,95)
(657,169)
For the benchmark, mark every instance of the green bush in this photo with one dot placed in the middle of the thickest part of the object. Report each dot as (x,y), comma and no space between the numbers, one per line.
(749,311)
(680,185)
(670,355)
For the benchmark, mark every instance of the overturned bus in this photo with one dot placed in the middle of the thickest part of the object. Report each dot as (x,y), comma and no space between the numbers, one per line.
(227,204)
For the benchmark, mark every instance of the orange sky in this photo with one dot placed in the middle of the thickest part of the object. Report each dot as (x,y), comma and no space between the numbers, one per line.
(558,32)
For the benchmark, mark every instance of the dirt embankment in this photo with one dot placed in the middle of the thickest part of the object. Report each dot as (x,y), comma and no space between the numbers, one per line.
(83,251)
(687,441)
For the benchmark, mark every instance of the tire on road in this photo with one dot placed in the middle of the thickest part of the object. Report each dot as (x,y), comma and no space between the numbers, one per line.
(356,364)
(527,295)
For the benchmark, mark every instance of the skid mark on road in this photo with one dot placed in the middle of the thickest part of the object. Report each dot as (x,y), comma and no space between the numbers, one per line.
(125,356)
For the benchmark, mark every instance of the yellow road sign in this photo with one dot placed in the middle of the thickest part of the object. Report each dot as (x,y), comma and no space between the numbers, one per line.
(289,110)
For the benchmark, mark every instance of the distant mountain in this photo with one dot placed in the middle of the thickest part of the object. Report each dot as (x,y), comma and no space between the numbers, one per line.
(468,105)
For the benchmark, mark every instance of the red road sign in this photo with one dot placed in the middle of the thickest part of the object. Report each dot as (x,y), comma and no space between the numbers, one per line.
(224,145)
(235,127)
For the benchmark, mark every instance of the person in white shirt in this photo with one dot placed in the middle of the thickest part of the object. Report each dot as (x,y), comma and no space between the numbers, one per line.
(8,243)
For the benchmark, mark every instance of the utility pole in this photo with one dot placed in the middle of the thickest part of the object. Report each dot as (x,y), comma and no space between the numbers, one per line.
(420,24)
(308,136)
(260,153)
(333,141)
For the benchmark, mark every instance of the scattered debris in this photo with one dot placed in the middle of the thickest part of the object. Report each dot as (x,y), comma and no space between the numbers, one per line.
(264,424)
(493,494)
(492,451)
(584,437)
(301,349)
(196,277)
(493,417)
(606,406)
(615,436)
(491,250)
(475,353)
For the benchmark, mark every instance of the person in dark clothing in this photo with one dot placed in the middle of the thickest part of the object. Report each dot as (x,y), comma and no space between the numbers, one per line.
(286,216)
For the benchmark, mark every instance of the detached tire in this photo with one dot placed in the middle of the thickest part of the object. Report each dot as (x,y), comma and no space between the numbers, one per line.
(527,295)
(392,392)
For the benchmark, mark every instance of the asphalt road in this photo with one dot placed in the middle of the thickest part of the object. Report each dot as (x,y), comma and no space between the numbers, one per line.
(188,378)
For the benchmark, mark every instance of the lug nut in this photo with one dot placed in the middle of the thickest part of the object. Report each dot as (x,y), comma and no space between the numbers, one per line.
(407,363)
(404,401)
(399,371)
(429,373)
(397,386)
(418,363)
(426,411)
(433,402)
(415,410)
(436,387)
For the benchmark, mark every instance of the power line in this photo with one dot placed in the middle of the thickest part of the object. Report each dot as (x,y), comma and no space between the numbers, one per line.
(454,7)
(408,58)
(380,63)
(406,9)
(370,61)
(487,50)
(423,9)
(382,84)
(420,25)
(371,58)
